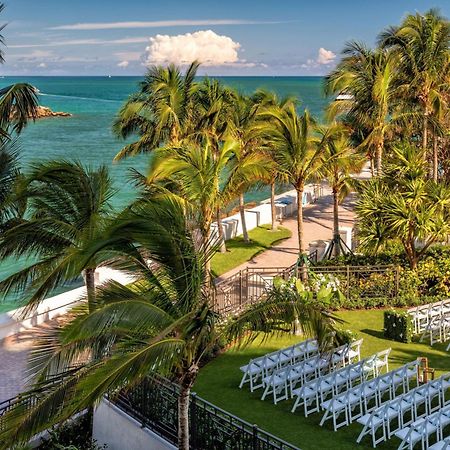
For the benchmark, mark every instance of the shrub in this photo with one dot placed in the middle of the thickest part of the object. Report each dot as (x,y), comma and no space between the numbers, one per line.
(73,435)
(398,326)
(345,336)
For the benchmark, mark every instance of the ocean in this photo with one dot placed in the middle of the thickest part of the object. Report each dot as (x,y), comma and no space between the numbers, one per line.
(87,135)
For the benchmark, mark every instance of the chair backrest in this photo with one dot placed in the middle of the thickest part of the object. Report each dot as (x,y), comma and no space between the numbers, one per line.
(384,355)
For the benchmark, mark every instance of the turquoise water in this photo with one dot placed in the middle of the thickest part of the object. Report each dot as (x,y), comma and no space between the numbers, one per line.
(94,101)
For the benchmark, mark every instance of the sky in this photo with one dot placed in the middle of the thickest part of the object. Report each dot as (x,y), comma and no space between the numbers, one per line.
(229,37)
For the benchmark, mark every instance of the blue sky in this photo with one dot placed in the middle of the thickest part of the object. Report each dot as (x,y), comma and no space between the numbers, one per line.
(246,37)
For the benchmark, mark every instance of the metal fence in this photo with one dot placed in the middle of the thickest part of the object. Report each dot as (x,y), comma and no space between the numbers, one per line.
(249,285)
(154,403)
(246,287)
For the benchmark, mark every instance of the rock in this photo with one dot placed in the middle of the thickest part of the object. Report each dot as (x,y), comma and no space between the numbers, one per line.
(44,112)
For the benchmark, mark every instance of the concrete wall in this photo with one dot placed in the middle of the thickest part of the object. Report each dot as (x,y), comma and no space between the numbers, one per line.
(13,322)
(286,205)
(121,432)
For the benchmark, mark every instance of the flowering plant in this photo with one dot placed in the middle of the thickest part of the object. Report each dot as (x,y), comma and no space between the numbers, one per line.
(318,287)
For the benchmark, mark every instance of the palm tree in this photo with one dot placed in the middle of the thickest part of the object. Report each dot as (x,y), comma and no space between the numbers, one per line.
(340,161)
(10,175)
(251,162)
(199,175)
(421,44)
(18,102)
(68,206)
(367,76)
(161,113)
(404,206)
(266,100)
(296,153)
(163,323)
(214,103)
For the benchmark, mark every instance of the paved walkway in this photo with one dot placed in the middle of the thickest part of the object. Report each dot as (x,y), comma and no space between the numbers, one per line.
(318,224)
(13,362)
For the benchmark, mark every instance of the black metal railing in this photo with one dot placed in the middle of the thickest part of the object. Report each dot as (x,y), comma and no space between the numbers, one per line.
(154,403)
(250,285)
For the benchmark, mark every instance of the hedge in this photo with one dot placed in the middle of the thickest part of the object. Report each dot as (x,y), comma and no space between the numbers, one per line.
(384,302)
(398,326)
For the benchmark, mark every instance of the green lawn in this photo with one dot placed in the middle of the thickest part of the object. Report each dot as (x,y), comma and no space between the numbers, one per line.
(238,252)
(218,382)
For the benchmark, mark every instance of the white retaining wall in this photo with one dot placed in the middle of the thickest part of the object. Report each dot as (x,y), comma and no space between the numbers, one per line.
(13,322)
(286,205)
(121,432)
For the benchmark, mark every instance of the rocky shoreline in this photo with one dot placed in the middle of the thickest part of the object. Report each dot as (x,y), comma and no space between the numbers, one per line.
(43,112)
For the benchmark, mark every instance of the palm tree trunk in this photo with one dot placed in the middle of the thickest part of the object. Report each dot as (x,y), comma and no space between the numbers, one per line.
(336,235)
(223,247)
(301,247)
(272,206)
(379,157)
(425,133)
(206,244)
(183,417)
(435,159)
(243,222)
(89,280)
(301,244)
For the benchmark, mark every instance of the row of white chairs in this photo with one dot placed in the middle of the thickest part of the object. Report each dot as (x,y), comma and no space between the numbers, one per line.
(438,329)
(259,368)
(404,410)
(421,429)
(444,444)
(422,315)
(282,383)
(312,394)
(361,399)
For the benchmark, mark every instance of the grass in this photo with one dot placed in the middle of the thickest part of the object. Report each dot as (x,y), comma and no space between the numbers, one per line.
(238,252)
(218,382)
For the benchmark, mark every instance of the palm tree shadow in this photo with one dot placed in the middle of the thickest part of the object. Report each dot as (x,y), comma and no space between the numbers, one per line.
(376,333)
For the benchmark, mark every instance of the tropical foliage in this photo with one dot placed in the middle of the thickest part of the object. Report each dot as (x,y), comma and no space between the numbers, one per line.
(405,206)
(164,322)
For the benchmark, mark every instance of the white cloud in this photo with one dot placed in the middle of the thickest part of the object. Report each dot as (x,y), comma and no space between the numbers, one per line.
(325,56)
(207,47)
(124,41)
(42,66)
(128,56)
(155,24)
(123,64)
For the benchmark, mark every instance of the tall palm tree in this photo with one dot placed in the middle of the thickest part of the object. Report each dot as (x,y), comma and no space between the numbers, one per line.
(198,174)
(296,152)
(340,161)
(367,76)
(163,323)
(214,103)
(266,100)
(421,44)
(161,113)
(251,162)
(67,207)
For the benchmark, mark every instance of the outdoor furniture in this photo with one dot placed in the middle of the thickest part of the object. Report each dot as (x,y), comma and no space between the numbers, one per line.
(423,428)
(314,393)
(422,315)
(361,399)
(404,409)
(282,383)
(258,368)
